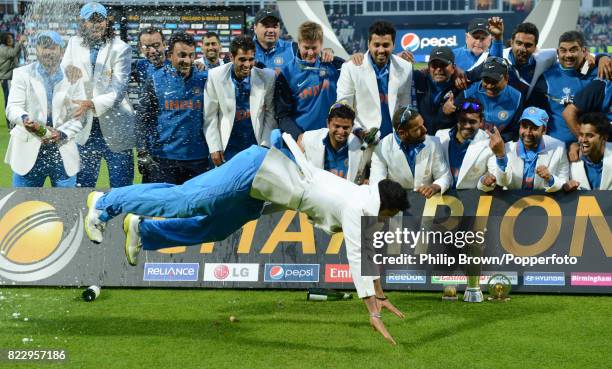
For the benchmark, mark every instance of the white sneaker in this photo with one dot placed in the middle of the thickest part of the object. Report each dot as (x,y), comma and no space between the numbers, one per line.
(94,227)
(131,227)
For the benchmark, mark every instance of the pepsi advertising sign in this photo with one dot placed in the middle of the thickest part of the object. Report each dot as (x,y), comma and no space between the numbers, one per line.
(291,273)
(421,42)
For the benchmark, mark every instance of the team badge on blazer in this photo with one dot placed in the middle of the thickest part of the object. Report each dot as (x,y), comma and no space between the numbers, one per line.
(322,73)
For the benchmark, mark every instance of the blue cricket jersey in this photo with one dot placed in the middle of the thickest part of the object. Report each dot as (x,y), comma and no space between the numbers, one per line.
(456,154)
(306,91)
(554,90)
(465,58)
(501,111)
(336,161)
(595,97)
(170,115)
(277,56)
(242,135)
(593,172)
(382,80)
(410,150)
(143,69)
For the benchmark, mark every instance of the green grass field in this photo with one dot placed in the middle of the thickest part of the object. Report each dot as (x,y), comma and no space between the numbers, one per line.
(157,328)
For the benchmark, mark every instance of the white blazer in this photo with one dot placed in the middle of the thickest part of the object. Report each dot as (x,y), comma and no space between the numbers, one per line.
(28,96)
(314,149)
(474,164)
(544,59)
(357,85)
(553,157)
(389,161)
(332,203)
(106,87)
(578,173)
(220,106)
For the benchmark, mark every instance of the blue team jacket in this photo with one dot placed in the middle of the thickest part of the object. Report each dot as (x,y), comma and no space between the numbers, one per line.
(170,115)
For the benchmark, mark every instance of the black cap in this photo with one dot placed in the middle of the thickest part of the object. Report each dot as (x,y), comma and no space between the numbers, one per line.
(443,54)
(494,68)
(266,13)
(478,24)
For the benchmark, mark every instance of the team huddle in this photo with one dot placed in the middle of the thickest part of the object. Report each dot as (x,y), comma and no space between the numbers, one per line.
(285,125)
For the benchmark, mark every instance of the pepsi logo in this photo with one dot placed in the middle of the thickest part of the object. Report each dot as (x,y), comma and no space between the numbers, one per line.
(410,42)
(277,272)
(221,271)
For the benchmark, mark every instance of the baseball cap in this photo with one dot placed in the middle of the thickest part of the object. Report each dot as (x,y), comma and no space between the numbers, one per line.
(536,116)
(54,36)
(443,54)
(266,13)
(478,24)
(90,9)
(494,68)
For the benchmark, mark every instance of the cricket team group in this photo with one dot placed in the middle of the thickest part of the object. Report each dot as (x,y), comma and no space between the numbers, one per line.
(284,125)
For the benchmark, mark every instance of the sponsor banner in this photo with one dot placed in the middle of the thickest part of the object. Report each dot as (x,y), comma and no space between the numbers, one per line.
(231,272)
(544,279)
(512,276)
(448,279)
(43,243)
(275,273)
(484,278)
(591,279)
(406,276)
(171,272)
(338,273)
(420,42)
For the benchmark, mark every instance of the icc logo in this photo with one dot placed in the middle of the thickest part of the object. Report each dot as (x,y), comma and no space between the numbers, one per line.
(410,42)
(31,244)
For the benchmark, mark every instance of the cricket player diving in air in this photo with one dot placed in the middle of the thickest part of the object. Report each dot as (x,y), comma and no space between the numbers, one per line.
(213,205)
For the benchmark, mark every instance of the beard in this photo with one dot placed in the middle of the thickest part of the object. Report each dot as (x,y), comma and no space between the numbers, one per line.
(89,40)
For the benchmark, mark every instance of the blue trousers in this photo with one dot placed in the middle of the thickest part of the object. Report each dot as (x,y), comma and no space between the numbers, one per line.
(207,208)
(120,164)
(49,163)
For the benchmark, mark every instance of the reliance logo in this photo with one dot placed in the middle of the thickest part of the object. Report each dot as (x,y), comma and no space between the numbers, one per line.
(171,272)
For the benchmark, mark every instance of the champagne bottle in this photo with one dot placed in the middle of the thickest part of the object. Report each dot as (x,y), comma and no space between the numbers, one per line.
(324,294)
(91,293)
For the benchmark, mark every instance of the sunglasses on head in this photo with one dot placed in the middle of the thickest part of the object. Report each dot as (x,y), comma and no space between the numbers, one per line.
(470,107)
(409,114)
(340,104)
